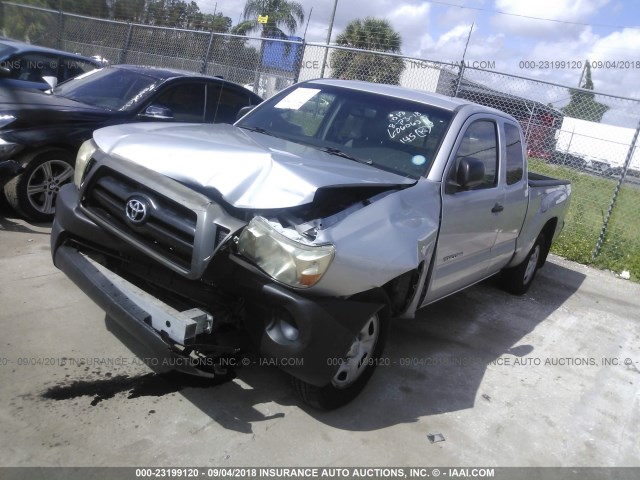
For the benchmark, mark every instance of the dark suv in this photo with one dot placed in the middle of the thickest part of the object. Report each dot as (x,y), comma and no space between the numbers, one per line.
(40,133)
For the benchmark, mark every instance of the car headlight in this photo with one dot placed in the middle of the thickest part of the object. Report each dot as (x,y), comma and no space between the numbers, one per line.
(7,149)
(6,120)
(87,149)
(288,261)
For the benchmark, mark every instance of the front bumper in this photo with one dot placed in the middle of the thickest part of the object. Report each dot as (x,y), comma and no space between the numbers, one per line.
(323,328)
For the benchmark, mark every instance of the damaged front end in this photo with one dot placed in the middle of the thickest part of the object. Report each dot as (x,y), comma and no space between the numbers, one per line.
(188,277)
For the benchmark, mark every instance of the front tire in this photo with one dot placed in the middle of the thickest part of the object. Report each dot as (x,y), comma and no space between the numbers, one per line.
(518,279)
(34,192)
(358,365)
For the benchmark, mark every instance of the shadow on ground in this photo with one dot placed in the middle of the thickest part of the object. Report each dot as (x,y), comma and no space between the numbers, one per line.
(433,364)
(8,223)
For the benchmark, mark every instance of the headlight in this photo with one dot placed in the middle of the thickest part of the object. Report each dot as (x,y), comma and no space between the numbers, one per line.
(6,120)
(290,262)
(7,149)
(87,149)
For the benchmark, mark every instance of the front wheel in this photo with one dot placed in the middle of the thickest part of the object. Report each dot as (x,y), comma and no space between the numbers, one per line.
(33,193)
(518,279)
(355,370)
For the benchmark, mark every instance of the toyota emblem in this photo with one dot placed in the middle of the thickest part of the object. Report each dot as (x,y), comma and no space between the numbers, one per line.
(136,211)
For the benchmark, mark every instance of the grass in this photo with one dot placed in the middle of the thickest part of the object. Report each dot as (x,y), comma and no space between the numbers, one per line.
(590,200)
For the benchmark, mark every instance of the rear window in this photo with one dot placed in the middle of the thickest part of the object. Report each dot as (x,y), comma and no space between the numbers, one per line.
(515,157)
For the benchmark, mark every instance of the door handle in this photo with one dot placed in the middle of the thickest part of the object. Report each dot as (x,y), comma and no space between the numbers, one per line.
(497,208)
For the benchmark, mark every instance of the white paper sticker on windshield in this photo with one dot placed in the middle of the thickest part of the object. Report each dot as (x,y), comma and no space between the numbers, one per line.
(408,125)
(297,98)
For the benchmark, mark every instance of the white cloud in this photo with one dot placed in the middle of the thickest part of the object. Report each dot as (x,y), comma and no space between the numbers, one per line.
(579,11)
(614,63)
(553,9)
(437,32)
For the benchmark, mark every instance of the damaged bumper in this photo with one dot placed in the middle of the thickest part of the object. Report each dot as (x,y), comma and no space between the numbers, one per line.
(305,336)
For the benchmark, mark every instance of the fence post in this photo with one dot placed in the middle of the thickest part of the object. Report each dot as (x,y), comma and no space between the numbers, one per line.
(126,45)
(2,17)
(205,59)
(302,48)
(459,80)
(564,158)
(526,131)
(60,34)
(627,162)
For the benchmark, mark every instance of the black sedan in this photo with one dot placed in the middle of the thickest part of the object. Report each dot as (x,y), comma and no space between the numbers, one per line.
(23,65)
(41,132)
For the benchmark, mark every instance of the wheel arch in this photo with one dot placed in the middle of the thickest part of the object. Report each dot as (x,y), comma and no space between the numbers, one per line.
(26,156)
(548,231)
(401,290)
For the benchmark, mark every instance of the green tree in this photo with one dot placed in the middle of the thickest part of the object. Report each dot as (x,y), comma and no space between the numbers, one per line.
(281,14)
(371,34)
(28,25)
(583,104)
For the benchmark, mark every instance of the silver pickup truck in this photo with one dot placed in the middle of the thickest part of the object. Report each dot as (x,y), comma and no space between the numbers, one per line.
(322,214)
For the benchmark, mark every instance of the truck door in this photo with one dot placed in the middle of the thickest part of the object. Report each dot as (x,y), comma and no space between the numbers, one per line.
(513,183)
(470,218)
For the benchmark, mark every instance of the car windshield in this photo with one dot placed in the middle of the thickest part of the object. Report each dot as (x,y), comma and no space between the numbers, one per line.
(386,132)
(5,50)
(111,88)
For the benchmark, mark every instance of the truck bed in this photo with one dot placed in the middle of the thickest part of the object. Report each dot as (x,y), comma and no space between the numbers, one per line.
(538,180)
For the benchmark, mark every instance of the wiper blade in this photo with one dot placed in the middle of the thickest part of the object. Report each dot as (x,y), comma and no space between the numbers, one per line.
(258,130)
(339,153)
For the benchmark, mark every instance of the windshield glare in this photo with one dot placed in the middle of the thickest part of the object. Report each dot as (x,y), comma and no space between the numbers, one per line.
(389,133)
(111,88)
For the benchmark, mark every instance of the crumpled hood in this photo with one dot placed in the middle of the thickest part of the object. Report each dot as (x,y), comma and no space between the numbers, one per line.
(249,170)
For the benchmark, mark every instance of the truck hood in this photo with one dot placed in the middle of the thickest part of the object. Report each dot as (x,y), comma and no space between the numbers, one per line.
(248,169)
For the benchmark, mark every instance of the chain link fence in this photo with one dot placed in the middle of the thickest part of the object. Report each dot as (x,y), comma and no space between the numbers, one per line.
(264,65)
(587,137)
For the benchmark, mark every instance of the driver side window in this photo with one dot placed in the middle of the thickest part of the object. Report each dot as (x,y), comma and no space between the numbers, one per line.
(186,101)
(480,141)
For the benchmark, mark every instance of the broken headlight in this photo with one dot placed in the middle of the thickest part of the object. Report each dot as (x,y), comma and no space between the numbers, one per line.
(286,260)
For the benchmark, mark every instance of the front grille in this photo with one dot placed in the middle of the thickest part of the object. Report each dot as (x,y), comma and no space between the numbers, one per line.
(169,228)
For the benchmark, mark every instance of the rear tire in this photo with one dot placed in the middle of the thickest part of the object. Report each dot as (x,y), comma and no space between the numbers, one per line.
(33,193)
(359,363)
(518,279)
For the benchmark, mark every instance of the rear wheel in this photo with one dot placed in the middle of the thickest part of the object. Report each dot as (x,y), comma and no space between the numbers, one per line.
(34,192)
(356,368)
(518,279)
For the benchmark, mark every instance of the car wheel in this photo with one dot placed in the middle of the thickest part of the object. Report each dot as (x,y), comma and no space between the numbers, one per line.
(357,366)
(518,279)
(34,192)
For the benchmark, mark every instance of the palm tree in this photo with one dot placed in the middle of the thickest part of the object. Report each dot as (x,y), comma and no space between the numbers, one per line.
(281,13)
(371,34)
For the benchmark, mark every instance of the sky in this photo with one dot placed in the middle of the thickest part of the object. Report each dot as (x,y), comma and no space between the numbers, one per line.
(607,32)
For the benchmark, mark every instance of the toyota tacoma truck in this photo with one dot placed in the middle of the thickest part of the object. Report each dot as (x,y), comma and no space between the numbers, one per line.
(305,227)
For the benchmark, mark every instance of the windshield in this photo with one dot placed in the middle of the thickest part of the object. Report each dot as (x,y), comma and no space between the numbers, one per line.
(390,133)
(5,50)
(111,88)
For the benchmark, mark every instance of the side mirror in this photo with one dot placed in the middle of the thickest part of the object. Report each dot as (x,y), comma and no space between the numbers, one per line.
(157,112)
(4,72)
(470,173)
(243,111)
(51,80)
